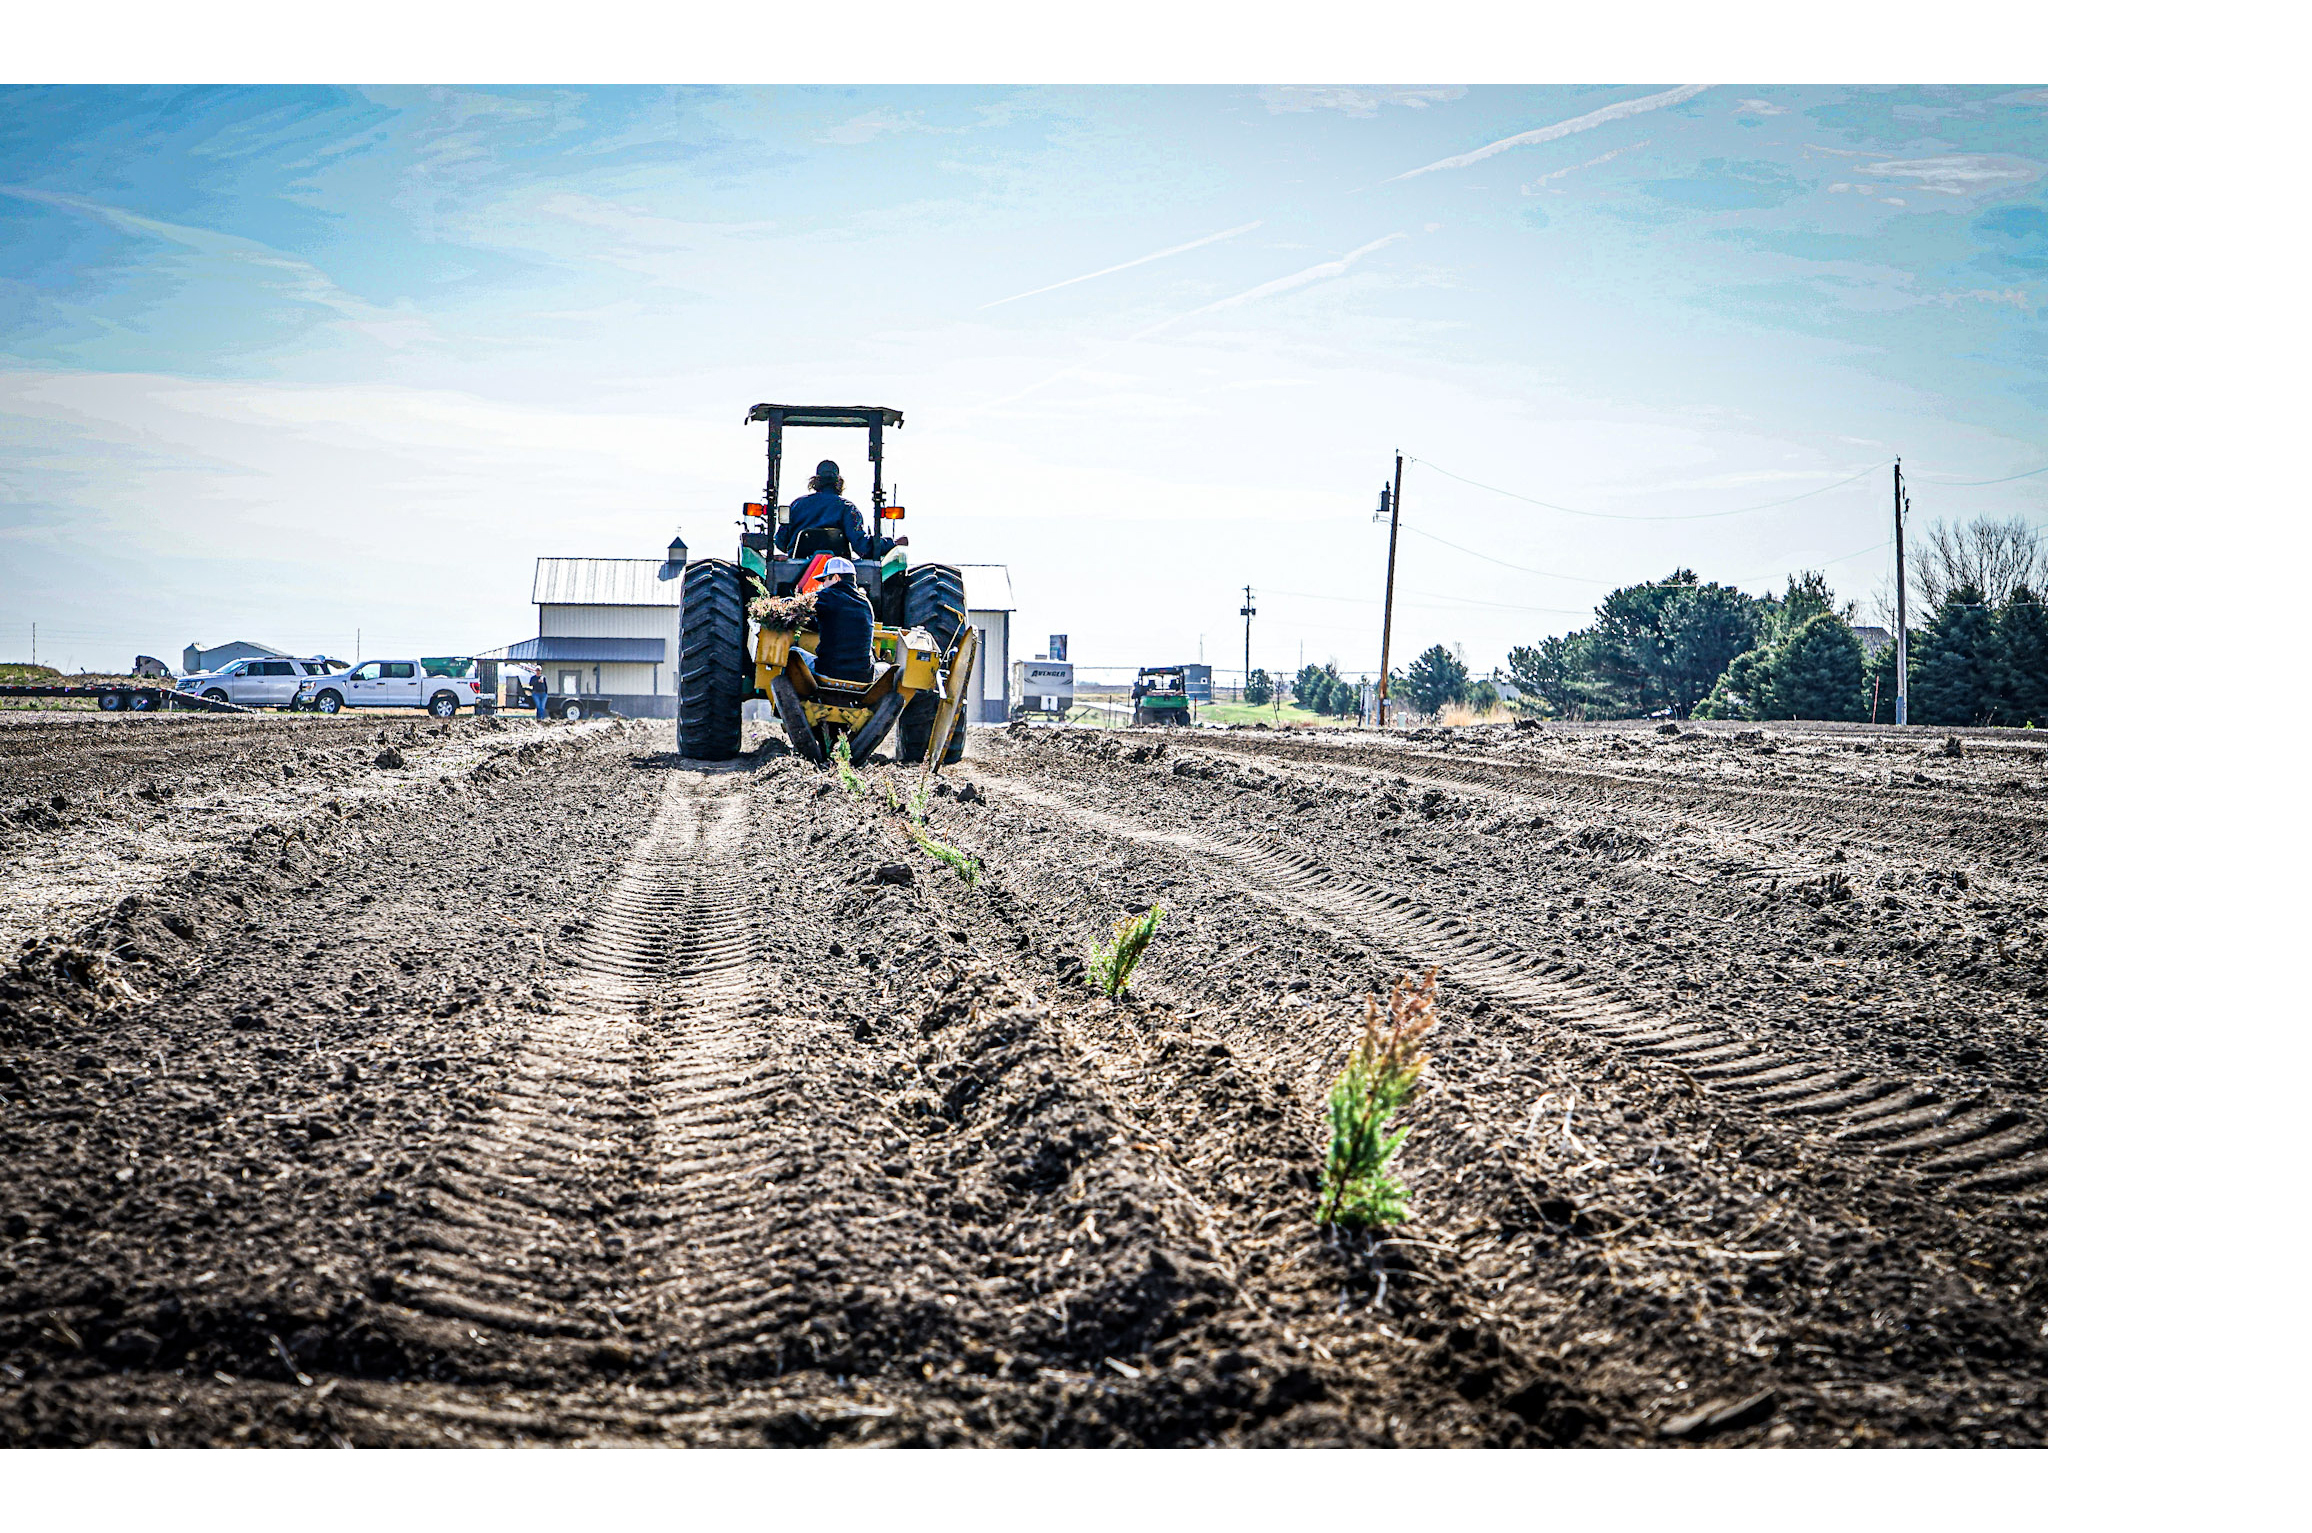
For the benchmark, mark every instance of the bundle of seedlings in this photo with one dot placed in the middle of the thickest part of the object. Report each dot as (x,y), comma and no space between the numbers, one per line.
(1384,1067)
(787,614)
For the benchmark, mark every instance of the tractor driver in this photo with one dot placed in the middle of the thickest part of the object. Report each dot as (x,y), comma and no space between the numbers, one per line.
(826,507)
(846,624)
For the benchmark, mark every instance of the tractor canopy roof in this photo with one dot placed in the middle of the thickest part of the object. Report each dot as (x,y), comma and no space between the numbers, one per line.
(826,415)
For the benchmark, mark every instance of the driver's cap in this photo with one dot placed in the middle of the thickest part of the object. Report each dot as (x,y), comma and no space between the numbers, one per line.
(836,567)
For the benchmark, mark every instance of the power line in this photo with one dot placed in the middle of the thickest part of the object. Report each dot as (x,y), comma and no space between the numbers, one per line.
(1684,516)
(1504,563)
(1961,484)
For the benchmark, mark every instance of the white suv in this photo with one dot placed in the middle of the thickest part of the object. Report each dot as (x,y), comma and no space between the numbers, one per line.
(440,686)
(270,681)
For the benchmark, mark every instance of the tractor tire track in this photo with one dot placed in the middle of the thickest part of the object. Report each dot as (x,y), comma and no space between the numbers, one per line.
(1892,811)
(1980,1146)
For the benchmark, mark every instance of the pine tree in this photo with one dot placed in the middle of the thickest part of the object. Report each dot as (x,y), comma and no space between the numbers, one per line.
(1258,689)
(2022,679)
(1437,678)
(1955,663)
(1816,673)
(1878,683)
(1741,692)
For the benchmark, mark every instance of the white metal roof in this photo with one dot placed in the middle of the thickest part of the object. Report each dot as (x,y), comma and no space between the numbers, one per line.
(987,587)
(607,583)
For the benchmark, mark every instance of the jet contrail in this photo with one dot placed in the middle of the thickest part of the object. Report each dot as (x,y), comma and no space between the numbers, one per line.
(1581,124)
(1126,266)
(1301,278)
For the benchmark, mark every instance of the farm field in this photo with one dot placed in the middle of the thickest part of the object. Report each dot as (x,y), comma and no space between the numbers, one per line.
(495,1083)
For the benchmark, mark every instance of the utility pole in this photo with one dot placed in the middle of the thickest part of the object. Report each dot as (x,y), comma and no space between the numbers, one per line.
(1246,612)
(1902,609)
(1392,501)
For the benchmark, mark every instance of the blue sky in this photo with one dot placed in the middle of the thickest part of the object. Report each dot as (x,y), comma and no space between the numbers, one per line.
(282,363)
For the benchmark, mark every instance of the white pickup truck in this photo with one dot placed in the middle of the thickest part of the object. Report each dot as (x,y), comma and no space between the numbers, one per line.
(441,686)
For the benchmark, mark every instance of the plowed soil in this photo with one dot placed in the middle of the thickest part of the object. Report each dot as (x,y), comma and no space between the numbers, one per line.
(534,1085)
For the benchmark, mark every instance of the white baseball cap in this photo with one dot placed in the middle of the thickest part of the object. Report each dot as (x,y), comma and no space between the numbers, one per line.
(834,567)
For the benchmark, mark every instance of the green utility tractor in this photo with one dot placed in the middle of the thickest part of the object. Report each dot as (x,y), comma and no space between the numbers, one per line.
(923,647)
(1160,695)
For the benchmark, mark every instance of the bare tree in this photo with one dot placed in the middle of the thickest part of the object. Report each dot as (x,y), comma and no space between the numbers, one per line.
(1995,557)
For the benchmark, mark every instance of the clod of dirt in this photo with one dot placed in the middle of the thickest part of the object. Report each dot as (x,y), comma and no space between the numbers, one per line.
(1665,729)
(894,873)
(1952,747)
(390,758)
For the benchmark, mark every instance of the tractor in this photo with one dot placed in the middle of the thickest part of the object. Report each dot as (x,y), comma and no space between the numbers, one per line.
(1160,695)
(923,647)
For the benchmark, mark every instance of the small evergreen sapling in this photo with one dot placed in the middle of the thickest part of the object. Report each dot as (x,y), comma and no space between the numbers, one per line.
(1111,966)
(1384,1067)
(852,782)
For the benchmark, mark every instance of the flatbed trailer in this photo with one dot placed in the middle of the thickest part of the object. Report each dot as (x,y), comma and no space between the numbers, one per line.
(574,706)
(121,697)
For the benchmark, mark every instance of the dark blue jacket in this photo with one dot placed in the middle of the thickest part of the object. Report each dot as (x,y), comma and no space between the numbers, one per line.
(846,624)
(825,508)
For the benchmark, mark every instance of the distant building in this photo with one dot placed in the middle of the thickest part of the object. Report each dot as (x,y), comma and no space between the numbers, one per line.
(987,595)
(199,659)
(1873,638)
(610,628)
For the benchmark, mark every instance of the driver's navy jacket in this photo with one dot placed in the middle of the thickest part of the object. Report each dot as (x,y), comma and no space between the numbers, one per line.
(825,508)
(846,624)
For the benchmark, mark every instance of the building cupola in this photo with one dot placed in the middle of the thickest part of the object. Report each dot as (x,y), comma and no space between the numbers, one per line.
(677,552)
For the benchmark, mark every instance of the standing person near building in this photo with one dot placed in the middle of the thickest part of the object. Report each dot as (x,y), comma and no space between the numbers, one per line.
(538,692)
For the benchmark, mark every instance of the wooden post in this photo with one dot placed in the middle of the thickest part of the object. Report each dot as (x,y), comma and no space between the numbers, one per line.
(1395,497)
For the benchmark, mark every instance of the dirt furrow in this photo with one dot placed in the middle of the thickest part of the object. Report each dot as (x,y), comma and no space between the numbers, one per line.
(1421,936)
(1892,809)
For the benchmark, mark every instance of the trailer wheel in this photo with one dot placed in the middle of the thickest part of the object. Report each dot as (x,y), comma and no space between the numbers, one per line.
(573,711)
(108,701)
(714,656)
(935,603)
(143,702)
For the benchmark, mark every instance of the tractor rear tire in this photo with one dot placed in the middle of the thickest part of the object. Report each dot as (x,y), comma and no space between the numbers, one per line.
(714,656)
(935,603)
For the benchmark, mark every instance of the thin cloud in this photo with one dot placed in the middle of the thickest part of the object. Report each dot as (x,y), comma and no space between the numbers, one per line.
(1556,130)
(1958,175)
(1321,272)
(1356,100)
(285,274)
(1209,239)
